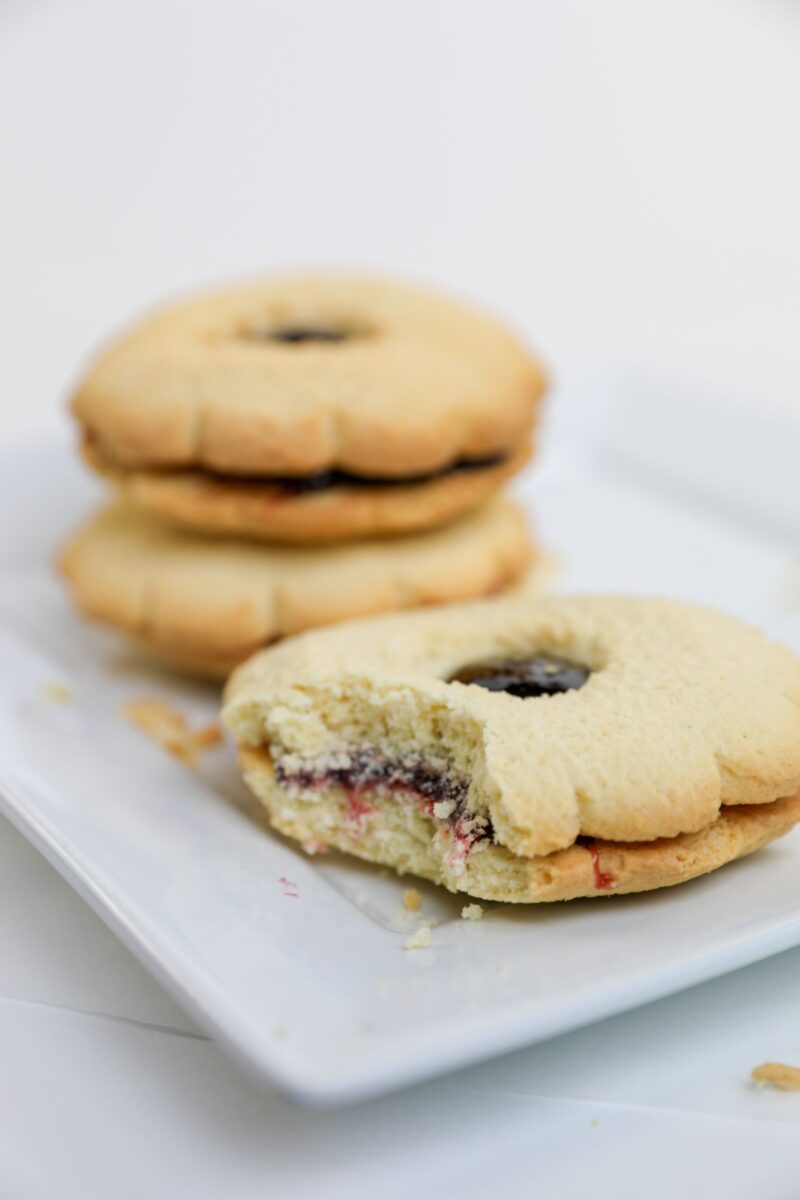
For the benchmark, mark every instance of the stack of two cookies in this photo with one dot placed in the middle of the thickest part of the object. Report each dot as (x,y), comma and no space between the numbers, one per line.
(296,453)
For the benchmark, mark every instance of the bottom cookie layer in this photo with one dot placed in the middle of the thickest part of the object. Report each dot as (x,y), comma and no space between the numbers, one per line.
(401,832)
(205,604)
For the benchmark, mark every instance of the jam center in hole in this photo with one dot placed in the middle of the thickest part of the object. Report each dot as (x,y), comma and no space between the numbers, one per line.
(296,335)
(536,675)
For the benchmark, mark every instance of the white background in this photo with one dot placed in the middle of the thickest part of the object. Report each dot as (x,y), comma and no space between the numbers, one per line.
(621,178)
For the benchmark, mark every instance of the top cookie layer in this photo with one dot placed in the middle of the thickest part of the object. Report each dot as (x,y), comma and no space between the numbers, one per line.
(684,710)
(301,375)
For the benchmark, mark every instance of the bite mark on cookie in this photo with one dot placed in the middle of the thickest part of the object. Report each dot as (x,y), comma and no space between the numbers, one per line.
(439,796)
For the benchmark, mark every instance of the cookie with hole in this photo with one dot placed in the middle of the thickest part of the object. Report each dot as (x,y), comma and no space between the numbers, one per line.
(528,747)
(311,408)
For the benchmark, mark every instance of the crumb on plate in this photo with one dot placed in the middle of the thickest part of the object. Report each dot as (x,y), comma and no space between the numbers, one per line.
(472,912)
(169,727)
(315,846)
(52,690)
(420,940)
(778,1075)
(411,899)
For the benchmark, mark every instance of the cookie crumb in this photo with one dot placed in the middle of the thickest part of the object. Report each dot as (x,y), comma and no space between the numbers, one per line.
(58,692)
(778,1075)
(412,899)
(281,1033)
(420,940)
(594,1123)
(472,912)
(171,730)
(315,846)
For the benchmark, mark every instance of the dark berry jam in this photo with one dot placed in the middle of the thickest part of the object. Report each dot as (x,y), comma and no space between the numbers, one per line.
(367,769)
(540,675)
(431,786)
(296,335)
(289,486)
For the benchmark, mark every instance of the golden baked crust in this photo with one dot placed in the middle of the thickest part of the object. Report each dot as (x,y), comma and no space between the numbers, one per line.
(207,603)
(419,382)
(398,835)
(686,710)
(200,500)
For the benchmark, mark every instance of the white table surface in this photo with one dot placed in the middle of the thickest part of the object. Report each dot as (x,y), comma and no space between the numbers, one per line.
(152,146)
(106,1090)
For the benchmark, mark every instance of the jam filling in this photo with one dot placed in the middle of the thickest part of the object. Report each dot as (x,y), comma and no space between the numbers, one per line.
(603,880)
(296,335)
(438,795)
(358,809)
(289,486)
(538,675)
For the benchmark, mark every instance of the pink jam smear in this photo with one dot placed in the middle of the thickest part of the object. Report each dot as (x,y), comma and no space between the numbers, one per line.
(603,881)
(357,808)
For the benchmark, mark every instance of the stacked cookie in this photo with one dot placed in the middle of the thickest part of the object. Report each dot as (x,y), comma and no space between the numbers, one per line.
(295,453)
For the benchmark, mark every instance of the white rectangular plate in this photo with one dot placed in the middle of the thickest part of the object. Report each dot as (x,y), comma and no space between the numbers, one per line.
(309,985)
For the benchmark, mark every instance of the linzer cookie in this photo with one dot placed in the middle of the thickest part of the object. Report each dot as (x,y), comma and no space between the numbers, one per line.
(528,749)
(205,603)
(311,409)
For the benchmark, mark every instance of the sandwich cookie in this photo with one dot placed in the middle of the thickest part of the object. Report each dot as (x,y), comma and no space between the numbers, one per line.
(528,748)
(311,409)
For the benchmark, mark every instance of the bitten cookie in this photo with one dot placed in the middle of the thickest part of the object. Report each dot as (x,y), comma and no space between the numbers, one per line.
(311,409)
(528,748)
(206,603)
